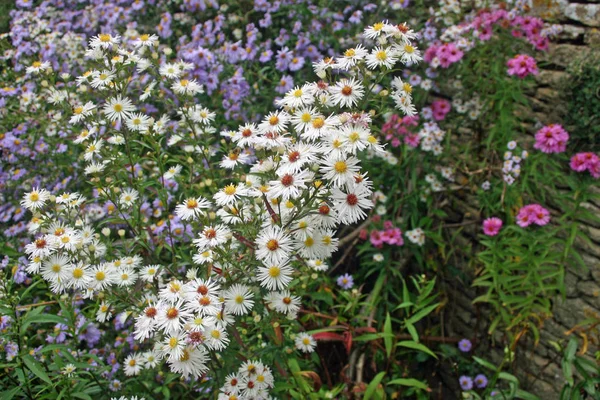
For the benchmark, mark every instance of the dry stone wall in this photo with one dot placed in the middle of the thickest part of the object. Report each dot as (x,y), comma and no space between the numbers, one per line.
(538,367)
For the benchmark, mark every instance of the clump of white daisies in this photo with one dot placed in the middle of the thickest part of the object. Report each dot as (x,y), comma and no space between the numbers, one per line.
(290,181)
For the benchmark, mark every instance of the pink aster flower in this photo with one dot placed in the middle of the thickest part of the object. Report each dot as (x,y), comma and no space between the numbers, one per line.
(551,139)
(522,65)
(582,162)
(376,239)
(533,214)
(440,108)
(491,226)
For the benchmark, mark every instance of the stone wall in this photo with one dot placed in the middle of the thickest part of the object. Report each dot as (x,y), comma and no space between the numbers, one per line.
(538,367)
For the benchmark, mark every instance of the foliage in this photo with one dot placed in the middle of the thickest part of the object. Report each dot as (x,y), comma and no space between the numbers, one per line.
(197,200)
(584,101)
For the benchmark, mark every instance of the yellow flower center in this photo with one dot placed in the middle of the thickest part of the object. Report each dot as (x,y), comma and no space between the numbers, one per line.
(229,190)
(340,167)
(381,55)
(318,123)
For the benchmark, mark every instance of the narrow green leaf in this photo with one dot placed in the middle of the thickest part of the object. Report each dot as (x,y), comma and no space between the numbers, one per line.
(416,346)
(521,394)
(373,386)
(413,331)
(423,313)
(81,396)
(484,363)
(388,339)
(36,368)
(9,394)
(409,382)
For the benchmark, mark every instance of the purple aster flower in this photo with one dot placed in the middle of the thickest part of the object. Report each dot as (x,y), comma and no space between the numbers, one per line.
(345,281)
(466,383)
(5,321)
(285,84)
(284,56)
(296,63)
(11,349)
(430,33)
(265,56)
(465,345)
(481,381)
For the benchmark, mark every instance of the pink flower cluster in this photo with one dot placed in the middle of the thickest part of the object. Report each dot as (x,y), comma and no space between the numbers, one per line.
(551,139)
(440,108)
(528,27)
(397,128)
(389,235)
(522,65)
(447,54)
(533,214)
(491,226)
(581,162)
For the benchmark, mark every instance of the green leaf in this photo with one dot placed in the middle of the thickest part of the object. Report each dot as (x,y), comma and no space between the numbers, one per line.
(81,396)
(388,339)
(421,314)
(412,330)
(416,346)
(571,350)
(409,382)
(36,368)
(373,336)
(521,394)
(9,394)
(42,319)
(373,386)
(508,377)
(484,363)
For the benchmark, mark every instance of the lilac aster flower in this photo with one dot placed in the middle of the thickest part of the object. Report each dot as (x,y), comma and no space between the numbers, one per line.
(465,345)
(285,84)
(11,349)
(466,383)
(481,381)
(345,281)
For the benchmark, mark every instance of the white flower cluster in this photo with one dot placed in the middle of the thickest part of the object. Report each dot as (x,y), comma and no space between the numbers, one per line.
(511,168)
(252,381)
(431,138)
(295,177)
(472,107)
